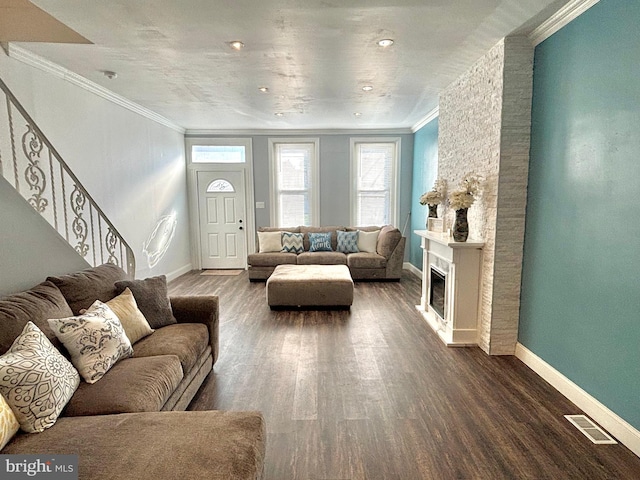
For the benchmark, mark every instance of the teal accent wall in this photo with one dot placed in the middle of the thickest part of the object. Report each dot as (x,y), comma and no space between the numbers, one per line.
(425,172)
(580,301)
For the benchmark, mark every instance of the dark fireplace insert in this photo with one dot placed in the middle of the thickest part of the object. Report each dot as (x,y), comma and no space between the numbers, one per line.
(436,291)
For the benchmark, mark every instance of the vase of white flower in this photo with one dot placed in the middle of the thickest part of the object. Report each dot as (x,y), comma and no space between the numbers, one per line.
(461,226)
(433,198)
(460,201)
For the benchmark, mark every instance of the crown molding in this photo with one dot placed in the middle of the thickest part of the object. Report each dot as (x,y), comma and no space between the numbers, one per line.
(36,61)
(562,17)
(306,132)
(433,114)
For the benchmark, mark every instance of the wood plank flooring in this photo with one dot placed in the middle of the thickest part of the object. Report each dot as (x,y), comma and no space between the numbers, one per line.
(372,393)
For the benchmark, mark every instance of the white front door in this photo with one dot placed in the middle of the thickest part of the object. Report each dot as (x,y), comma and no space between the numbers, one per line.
(222,214)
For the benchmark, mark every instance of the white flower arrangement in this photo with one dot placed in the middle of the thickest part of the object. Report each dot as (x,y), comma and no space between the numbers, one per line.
(465,197)
(436,195)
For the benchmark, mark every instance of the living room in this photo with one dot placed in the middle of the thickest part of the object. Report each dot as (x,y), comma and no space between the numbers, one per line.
(573,316)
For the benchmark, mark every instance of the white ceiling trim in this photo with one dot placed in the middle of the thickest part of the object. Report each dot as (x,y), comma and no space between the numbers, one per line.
(36,61)
(307,132)
(430,116)
(562,17)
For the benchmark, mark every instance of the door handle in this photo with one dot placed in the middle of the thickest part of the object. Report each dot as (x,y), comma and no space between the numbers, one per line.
(239,228)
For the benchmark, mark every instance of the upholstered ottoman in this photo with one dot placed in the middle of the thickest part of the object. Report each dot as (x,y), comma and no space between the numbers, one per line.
(310,286)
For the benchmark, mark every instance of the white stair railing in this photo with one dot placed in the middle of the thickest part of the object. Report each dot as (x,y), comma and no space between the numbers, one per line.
(34,168)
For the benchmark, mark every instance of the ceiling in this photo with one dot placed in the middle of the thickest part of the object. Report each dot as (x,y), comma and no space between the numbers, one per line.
(314,56)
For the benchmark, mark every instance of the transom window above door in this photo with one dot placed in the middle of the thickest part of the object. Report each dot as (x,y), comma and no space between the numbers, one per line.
(218,154)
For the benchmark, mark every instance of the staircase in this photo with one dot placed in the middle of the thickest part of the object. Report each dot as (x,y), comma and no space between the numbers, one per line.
(34,168)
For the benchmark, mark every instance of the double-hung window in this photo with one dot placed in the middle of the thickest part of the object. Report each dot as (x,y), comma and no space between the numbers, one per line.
(294,182)
(374,178)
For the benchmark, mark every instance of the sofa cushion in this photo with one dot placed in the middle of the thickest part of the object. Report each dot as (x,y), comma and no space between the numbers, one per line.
(187,341)
(9,425)
(366,260)
(271,259)
(95,340)
(367,241)
(132,319)
(307,230)
(269,242)
(212,445)
(36,380)
(82,288)
(320,242)
(292,242)
(152,299)
(388,240)
(42,302)
(322,258)
(279,229)
(132,385)
(347,242)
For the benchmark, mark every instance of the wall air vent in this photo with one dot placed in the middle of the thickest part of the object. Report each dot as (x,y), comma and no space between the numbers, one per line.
(590,430)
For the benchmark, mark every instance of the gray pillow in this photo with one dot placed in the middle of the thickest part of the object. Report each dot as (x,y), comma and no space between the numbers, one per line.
(152,298)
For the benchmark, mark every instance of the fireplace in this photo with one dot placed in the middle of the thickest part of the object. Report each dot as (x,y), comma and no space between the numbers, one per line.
(437,289)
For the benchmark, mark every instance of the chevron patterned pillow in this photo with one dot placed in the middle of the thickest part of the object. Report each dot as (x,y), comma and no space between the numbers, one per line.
(292,242)
(347,242)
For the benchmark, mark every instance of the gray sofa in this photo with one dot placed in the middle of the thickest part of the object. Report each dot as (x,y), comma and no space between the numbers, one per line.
(131,423)
(384,264)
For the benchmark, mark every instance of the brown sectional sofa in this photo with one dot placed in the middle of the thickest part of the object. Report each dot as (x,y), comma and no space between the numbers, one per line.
(130,423)
(385,264)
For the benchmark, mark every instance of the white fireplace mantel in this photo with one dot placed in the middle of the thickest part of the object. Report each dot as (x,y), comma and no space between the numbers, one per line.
(460,263)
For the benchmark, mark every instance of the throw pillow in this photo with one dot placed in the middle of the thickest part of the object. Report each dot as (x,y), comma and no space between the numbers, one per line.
(270,241)
(36,380)
(9,425)
(320,242)
(152,298)
(367,241)
(95,340)
(132,319)
(292,242)
(347,242)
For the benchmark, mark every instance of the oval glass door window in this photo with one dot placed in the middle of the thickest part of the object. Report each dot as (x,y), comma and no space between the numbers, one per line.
(220,185)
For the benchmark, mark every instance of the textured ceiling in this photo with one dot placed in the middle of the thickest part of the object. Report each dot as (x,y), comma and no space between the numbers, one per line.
(314,56)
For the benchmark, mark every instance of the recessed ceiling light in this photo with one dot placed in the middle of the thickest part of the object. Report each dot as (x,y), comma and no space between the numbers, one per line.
(385,42)
(357,114)
(109,74)
(367,88)
(236,45)
(263,89)
(279,114)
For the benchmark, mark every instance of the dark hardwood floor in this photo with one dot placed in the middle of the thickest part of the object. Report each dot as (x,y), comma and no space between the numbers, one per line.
(372,393)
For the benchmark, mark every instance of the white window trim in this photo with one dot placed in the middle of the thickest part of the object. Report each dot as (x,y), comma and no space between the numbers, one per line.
(394,196)
(315,179)
(192,189)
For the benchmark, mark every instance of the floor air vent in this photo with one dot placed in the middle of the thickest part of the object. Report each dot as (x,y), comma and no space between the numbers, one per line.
(590,430)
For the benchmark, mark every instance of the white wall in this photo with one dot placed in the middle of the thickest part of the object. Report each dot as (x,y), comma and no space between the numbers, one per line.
(132,166)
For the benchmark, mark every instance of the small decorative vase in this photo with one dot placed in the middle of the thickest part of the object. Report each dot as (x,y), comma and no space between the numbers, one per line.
(433,211)
(461,226)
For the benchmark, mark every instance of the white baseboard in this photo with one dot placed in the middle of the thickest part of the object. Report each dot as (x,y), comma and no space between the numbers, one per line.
(180,271)
(409,266)
(614,424)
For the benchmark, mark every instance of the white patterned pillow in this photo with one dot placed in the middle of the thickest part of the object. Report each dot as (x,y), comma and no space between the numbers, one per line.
(347,242)
(9,425)
(36,380)
(270,241)
(95,340)
(292,242)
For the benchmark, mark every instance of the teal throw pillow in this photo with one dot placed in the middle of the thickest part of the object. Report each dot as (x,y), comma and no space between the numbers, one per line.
(347,242)
(320,242)
(292,242)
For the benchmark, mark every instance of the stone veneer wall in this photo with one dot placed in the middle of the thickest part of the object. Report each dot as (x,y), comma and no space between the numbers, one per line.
(484,128)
